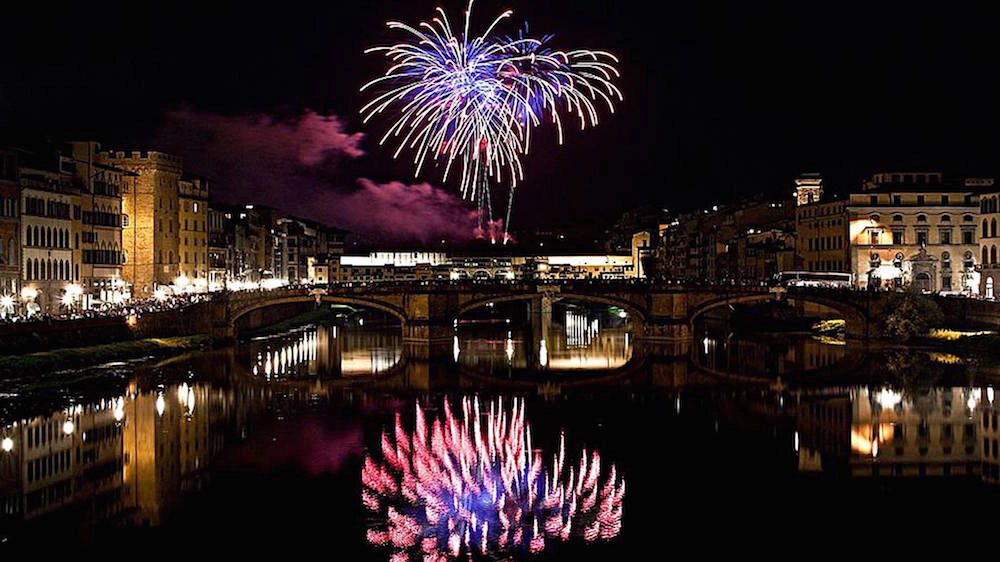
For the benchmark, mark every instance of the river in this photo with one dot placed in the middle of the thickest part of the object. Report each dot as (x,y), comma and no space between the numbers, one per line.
(560,441)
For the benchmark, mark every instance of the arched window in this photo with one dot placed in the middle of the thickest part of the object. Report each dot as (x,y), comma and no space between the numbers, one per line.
(69,277)
(921,218)
(38,238)
(986,228)
(48,237)
(945,218)
(11,250)
(897,218)
(993,255)
(48,269)
(986,256)
(993,228)
(60,274)
(27,236)
(967,218)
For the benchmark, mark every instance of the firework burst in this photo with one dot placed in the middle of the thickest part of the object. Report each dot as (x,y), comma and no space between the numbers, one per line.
(471,101)
(472,485)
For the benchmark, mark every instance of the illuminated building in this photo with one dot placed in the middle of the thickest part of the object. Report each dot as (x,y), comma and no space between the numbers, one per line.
(50,204)
(150,233)
(221,242)
(989,241)
(808,189)
(915,228)
(192,221)
(10,217)
(821,231)
(706,246)
(97,237)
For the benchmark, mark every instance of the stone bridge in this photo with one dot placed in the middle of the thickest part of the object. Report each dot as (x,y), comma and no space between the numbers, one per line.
(427,311)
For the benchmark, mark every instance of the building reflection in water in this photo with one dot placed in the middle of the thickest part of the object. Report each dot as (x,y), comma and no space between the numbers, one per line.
(881,432)
(583,340)
(471,484)
(325,352)
(762,357)
(126,458)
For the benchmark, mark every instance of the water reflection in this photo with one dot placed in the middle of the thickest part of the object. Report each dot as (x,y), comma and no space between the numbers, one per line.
(574,339)
(125,457)
(884,432)
(325,351)
(473,484)
(763,355)
(132,448)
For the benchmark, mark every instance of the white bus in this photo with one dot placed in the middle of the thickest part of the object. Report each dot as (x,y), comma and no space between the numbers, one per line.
(824,279)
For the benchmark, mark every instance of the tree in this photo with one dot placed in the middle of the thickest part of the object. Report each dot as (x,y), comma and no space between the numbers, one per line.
(907,315)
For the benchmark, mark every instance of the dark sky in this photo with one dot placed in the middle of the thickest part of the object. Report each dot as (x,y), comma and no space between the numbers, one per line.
(722,100)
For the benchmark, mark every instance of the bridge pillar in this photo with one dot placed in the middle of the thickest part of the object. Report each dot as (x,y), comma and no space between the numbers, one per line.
(222,329)
(666,330)
(430,324)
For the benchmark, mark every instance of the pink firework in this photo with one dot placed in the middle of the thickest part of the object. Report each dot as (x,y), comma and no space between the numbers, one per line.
(472,485)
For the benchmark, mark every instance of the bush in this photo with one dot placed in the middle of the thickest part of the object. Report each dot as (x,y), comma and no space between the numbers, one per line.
(907,315)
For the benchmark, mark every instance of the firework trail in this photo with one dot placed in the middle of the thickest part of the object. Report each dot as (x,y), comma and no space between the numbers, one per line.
(471,101)
(472,485)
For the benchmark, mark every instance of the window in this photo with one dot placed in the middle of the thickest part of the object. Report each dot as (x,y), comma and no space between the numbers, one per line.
(944,200)
(967,237)
(873,237)
(967,218)
(920,200)
(873,199)
(897,237)
(945,218)
(897,218)
(945,260)
(896,200)
(921,237)
(945,236)
(921,218)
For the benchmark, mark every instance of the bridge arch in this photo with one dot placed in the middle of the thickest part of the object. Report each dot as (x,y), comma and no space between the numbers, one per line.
(238,308)
(855,318)
(635,311)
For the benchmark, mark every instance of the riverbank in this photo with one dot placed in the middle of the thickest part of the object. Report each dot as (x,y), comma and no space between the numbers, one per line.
(77,357)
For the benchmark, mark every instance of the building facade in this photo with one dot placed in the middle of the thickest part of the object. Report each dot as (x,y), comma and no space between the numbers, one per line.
(192,223)
(97,238)
(49,205)
(989,241)
(151,232)
(822,237)
(10,219)
(915,228)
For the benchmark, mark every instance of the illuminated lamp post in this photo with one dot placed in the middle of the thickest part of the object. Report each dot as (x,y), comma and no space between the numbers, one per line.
(28,296)
(6,306)
(71,293)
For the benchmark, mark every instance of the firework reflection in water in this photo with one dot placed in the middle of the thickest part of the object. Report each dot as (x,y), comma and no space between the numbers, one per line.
(472,484)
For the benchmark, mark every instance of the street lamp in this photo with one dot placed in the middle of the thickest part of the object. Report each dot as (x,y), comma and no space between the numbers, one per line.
(6,306)
(7,444)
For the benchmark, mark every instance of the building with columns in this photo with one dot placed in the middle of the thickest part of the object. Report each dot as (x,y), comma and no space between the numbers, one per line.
(915,228)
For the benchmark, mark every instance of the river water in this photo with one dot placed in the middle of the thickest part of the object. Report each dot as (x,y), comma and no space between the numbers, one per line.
(560,441)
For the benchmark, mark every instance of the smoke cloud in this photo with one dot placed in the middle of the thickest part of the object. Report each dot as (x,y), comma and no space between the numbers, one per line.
(296,165)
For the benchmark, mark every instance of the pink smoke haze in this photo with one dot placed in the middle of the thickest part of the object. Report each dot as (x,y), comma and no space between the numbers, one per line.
(291,164)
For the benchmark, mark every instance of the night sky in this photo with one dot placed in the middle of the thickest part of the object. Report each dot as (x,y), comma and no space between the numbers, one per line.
(722,100)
